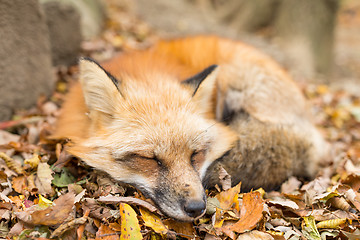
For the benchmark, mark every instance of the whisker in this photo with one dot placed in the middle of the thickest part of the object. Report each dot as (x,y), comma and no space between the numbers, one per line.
(202,133)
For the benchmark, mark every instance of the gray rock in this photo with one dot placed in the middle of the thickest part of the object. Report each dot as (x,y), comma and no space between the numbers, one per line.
(25,66)
(92,15)
(63,21)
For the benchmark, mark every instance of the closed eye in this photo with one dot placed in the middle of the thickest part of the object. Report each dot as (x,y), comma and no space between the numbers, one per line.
(197,158)
(136,157)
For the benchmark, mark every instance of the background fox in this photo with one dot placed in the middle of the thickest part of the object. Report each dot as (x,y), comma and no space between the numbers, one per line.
(167,118)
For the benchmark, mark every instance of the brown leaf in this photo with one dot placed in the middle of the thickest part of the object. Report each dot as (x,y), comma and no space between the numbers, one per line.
(314,188)
(225,179)
(44,178)
(353,197)
(63,158)
(96,211)
(353,181)
(16,229)
(5,214)
(114,199)
(255,235)
(6,137)
(115,226)
(323,215)
(105,233)
(67,226)
(290,185)
(284,203)
(229,199)
(184,229)
(251,213)
(56,214)
(19,184)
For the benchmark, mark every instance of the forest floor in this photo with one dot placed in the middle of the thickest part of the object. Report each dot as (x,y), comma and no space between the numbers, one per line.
(46,194)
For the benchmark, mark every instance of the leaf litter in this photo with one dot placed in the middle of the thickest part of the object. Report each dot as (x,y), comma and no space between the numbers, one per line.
(47,194)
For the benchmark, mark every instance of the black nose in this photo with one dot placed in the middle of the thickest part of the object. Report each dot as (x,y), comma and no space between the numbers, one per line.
(194,208)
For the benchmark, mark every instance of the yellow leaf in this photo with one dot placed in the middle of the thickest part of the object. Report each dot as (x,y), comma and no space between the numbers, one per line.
(33,162)
(261,191)
(11,163)
(153,221)
(333,223)
(229,199)
(219,218)
(129,223)
(322,89)
(309,228)
(44,203)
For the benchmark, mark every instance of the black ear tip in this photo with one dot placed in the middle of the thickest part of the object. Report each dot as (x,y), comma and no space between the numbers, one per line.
(113,79)
(196,80)
(209,70)
(213,67)
(89,59)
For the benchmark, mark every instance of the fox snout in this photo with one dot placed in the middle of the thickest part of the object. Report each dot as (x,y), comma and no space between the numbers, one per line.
(181,197)
(195,208)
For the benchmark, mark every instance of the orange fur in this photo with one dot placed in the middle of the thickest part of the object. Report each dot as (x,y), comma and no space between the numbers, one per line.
(148,118)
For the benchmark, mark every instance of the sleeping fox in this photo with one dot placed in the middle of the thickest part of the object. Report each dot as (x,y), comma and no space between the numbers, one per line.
(166,119)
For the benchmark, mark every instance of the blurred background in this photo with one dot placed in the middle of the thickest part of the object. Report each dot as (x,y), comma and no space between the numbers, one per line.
(316,41)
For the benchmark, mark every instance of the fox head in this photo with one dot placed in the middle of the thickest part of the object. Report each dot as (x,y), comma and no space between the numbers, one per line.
(155,134)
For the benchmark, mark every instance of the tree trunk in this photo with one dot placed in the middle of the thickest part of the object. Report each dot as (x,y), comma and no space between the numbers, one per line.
(306,29)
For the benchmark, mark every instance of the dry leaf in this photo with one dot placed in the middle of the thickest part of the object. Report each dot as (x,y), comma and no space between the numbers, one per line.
(113,199)
(67,226)
(218,219)
(105,233)
(16,229)
(353,181)
(96,211)
(56,214)
(153,221)
(224,179)
(6,137)
(115,226)
(5,214)
(255,235)
(229,199)
(333,223)
(183,229)
(33,162)
(129,223)
(251,213)
(44,203)
(353,197)
(322,215)
(285,203)
(290,185)
(340,203)
(309,228)
(353,235)
(11,163)
(44,178)
(19,184)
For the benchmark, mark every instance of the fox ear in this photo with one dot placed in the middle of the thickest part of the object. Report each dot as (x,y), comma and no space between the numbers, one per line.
(100,88)
(197,79)
(203,85)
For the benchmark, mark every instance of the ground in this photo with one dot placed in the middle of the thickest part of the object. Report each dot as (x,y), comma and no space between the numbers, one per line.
(47,194)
